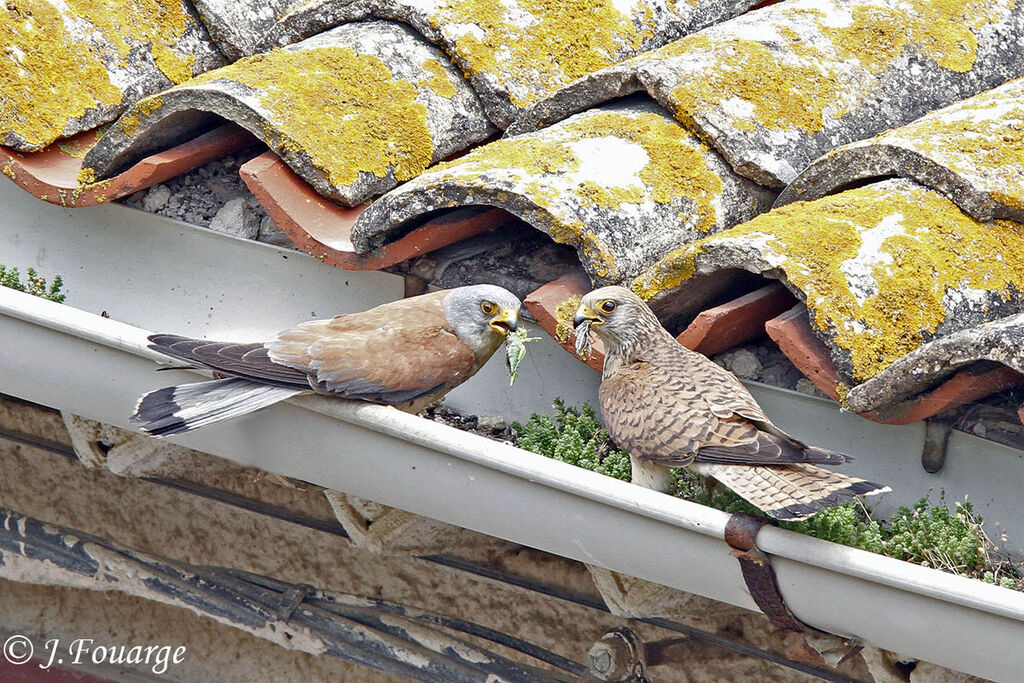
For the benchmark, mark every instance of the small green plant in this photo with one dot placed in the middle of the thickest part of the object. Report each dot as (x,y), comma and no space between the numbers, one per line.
(931,535)
(576,437)
(35,285)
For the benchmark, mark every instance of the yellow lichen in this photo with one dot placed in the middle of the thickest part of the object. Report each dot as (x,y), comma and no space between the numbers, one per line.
(564,314)
(784,93)
(670,272)
(440,83)
(936,249)
(533,156)
(86,176)
(676,169)
(345,110)
(980,137)
(557,43)
(677,165)
(592,194)
(8,170)
(942,30)
(156,24)
(38,51)
(129,123)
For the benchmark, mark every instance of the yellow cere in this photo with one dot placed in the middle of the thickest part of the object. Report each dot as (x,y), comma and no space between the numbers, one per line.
(546,169)
(40,52)
(346,110)
(925,247)
(556,42)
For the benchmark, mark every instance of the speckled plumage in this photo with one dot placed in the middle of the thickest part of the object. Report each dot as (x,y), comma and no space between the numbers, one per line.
(671,407)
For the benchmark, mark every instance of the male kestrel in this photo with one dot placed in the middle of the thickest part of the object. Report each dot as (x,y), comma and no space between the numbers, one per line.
(671,407)
(407,353)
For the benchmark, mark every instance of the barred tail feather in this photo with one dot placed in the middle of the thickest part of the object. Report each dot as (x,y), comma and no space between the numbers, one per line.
(791,492)
(182,408)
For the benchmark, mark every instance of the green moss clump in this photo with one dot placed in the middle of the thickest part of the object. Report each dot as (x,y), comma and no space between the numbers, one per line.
(576,437)
(35,285)
(952,540)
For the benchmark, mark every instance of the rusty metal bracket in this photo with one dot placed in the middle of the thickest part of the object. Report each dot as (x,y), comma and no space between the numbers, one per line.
(740,533)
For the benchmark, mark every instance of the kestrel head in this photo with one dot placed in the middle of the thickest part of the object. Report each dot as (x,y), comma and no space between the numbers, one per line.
(482,315)
(616,315)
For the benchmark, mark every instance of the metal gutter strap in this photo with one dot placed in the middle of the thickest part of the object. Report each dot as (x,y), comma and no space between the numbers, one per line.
(756,566)
(741,533)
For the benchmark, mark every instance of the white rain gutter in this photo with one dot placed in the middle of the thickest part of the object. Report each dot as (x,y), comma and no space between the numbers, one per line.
(93,366)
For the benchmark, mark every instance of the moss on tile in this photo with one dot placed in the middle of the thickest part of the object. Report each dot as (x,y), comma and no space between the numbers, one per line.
(440,82)
(933,248)
(560,41)
(346,110)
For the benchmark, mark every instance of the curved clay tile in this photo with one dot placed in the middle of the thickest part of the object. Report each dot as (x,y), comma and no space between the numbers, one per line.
(776,88)
(972,151)
(238,26)
(998,341)
(517,51)
(623,183)
(55,174)
(71,66)
(353,111)
(883,269)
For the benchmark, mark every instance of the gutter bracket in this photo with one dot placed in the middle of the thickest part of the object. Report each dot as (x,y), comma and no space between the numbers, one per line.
(740,533)
(936,442)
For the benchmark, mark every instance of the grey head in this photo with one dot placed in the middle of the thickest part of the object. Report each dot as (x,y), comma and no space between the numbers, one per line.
(482,315)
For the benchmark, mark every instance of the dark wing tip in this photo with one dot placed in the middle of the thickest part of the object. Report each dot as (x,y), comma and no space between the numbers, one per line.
(798,511)
(154,413)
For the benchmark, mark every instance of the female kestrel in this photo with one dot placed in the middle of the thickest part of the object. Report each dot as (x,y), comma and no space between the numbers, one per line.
(407,353)
(671,407)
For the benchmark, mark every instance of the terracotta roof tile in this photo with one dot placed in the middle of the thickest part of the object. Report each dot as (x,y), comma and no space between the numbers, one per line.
(623,183)
(324,229)
(516,52)
(68,70)
(971,151)
(54,174)
(354,111)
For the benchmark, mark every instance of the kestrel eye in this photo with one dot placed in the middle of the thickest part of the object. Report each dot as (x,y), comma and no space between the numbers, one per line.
(607,306)
(487,307)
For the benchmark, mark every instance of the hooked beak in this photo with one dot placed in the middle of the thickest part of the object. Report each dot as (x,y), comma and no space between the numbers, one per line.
(583,314)
(505,322)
